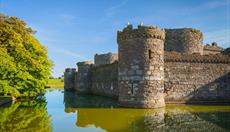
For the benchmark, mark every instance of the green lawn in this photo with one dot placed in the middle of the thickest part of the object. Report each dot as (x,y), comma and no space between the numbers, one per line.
(55,83)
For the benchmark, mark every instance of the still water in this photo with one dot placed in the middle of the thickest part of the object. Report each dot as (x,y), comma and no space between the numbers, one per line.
(61,111)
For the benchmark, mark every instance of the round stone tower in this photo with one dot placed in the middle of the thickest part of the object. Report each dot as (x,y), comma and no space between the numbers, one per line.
(141,66)
(69,78)
(83,77)
(185,40)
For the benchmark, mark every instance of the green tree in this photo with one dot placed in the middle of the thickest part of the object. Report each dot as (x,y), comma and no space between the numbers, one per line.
(26,116)
(24,63)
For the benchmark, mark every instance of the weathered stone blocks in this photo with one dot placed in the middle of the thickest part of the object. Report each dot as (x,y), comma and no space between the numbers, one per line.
(189,82)
(104,80)
(83,80)
(141,51)
(185,40)
(69,78)
(103,59)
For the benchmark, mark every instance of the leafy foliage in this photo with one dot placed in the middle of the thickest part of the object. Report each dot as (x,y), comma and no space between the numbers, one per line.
(26,116)
(24,63)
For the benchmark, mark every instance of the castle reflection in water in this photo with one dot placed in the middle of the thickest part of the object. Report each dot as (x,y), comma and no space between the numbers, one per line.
(106,114)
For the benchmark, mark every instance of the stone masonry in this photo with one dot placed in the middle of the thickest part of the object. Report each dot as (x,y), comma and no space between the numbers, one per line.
(155,66)
(212,49)
(185,40)
(69,78)
(82,84)
(103,59)
(141,67)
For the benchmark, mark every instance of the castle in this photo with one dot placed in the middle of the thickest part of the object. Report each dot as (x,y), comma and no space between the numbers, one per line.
(156,66)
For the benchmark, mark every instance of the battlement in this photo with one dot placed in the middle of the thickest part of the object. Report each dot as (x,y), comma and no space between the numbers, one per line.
(196,58)
(83,63)
(70,70)
(212,49)
(141,32)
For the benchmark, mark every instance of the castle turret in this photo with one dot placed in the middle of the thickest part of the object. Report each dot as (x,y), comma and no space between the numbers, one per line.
(141,66)
(69,78)
(103,59)
(83,82)
(185,40)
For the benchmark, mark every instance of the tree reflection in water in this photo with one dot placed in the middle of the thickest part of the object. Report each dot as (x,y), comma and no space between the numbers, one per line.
(25,116)
(97,111)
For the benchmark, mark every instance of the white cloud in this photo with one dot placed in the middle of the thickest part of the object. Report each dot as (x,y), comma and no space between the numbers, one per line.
(112,10)
(69,53)
(67,18)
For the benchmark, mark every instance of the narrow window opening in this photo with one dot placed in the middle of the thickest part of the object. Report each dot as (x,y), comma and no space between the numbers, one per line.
(150,54)
(132,89)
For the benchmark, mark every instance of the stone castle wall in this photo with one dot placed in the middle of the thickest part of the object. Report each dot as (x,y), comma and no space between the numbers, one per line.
(103,59)
(196,78)
(187,78)
(147,75)
(185,40)
(105,80)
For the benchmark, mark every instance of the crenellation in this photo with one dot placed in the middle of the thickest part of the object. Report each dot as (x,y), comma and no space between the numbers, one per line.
(140,32)
(155,66)
(212,49)
(211,58)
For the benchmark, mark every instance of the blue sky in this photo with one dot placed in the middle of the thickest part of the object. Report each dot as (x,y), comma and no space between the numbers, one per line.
(74,30)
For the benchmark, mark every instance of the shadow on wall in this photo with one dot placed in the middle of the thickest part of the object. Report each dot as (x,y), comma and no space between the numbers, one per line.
(217,91)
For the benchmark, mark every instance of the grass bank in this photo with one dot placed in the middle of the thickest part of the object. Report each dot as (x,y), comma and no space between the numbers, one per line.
(55,83)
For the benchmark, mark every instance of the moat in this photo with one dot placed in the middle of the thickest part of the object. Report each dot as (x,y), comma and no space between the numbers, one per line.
(65,111)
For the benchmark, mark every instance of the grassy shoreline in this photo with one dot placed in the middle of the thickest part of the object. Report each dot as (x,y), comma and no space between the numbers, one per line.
(55,83)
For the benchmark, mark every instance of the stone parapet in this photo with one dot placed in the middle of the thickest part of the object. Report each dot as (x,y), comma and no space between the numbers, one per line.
(141,32)
(213,49)
(196,58)
(84,63)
